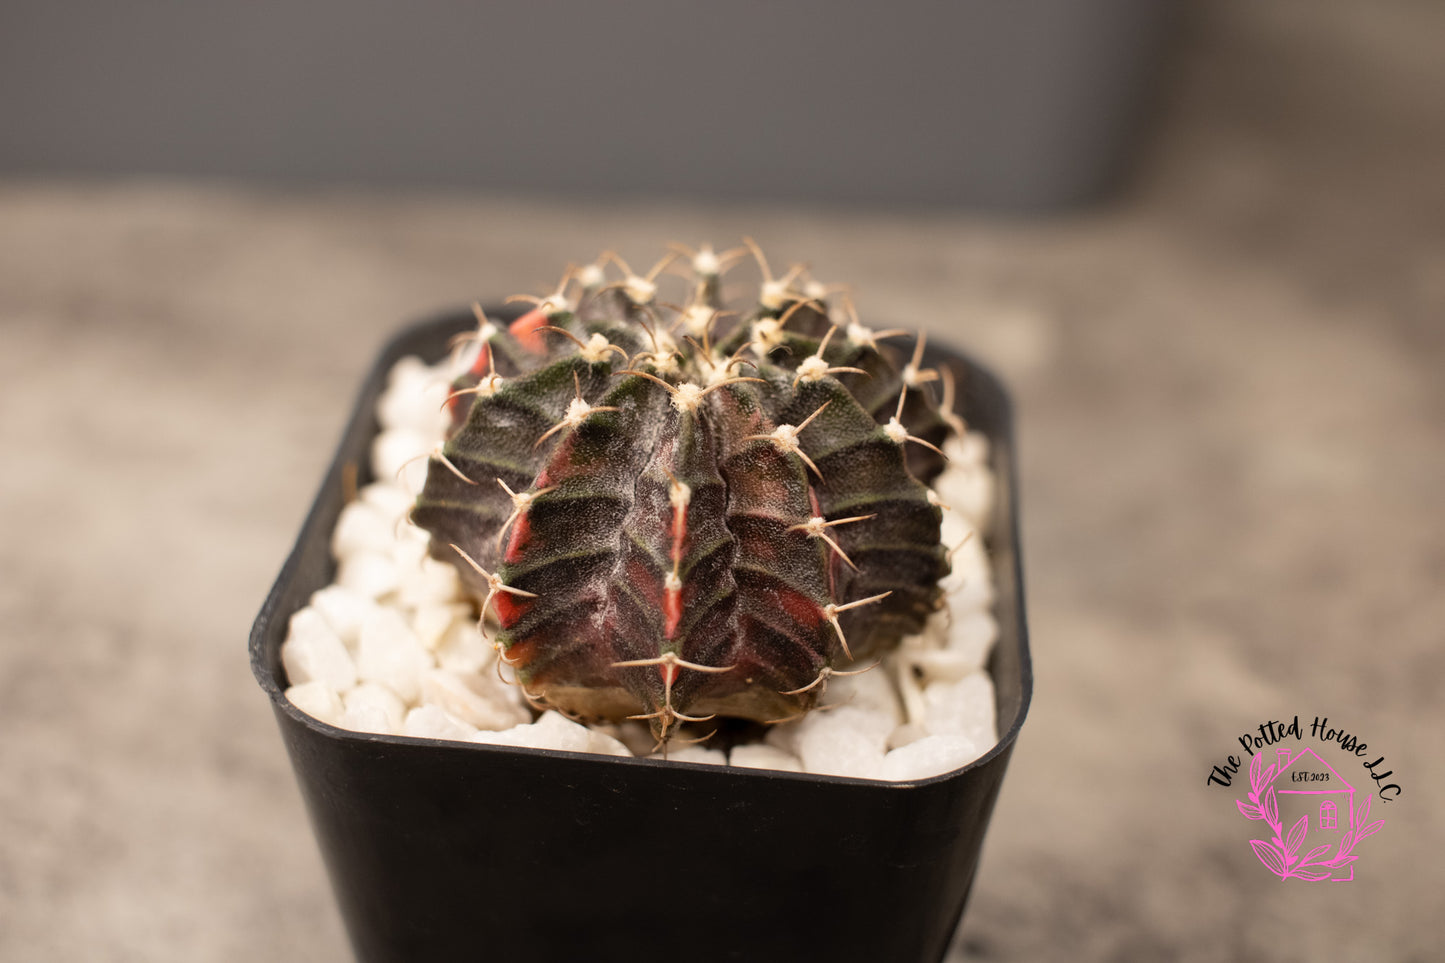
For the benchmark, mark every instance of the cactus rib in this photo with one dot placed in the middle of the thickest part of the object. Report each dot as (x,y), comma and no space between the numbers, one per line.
(672,522)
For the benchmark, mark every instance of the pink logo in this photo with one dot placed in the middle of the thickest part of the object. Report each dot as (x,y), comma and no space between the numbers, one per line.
(1325,824)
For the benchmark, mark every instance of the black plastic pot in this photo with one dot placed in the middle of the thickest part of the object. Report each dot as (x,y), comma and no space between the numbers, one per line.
(442,851)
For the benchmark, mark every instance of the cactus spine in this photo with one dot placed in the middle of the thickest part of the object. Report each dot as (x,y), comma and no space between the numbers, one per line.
(674,512)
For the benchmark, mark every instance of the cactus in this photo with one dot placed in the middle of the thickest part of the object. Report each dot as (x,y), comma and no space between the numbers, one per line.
(676,513)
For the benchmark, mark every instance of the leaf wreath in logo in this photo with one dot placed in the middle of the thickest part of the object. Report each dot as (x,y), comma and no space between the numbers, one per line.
(1281,855)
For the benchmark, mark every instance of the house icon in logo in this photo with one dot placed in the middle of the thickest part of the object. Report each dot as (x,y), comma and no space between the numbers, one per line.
(1310,788)
(1301,791)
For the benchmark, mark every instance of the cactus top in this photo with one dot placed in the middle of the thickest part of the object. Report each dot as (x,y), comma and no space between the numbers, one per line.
(675,511)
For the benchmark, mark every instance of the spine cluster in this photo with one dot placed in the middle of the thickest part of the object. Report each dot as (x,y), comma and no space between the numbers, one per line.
(674,511)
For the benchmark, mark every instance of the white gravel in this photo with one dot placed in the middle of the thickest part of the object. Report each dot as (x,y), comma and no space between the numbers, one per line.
(392,647)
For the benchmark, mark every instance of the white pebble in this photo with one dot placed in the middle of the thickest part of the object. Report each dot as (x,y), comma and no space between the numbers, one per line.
(462,648)
(869,690)
(344,610)
(368,719)
(428,583)
(910,688)
(972,559)
(783,736)
(409,371)
(313,653)
(972,636)
(697,754)
(971,495)
(374,695)
(399,455)
(905,734)
(552,731)
(318,700)
(951,646)
(931,756)
(969,593)
(955,526)
(972,449)
(389,652)
(605,745)
(635,736)
(368,573)
(963,708)
(563,733)
(430,722)
(362,527)
(969,586)
(938,665)
(483,701)
(408,551)
(391,500)
(764,756)
(846,741)
(432,621)
(969,450)
(413,399)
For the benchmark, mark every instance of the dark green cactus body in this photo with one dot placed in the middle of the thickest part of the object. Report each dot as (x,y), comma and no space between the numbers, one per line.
(680,535)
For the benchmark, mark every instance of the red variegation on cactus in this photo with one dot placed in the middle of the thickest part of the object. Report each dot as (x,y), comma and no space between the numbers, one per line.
(674,511)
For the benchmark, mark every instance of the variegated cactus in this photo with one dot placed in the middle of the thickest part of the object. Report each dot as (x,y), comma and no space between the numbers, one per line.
(676,512)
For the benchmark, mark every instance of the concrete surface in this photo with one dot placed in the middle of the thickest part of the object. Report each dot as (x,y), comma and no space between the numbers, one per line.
(1231,401)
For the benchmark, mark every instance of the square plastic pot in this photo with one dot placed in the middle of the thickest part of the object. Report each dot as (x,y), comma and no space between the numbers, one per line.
(443,851)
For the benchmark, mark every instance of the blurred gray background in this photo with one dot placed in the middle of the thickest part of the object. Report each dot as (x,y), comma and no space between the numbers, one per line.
(1228,372)
(1024,104)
